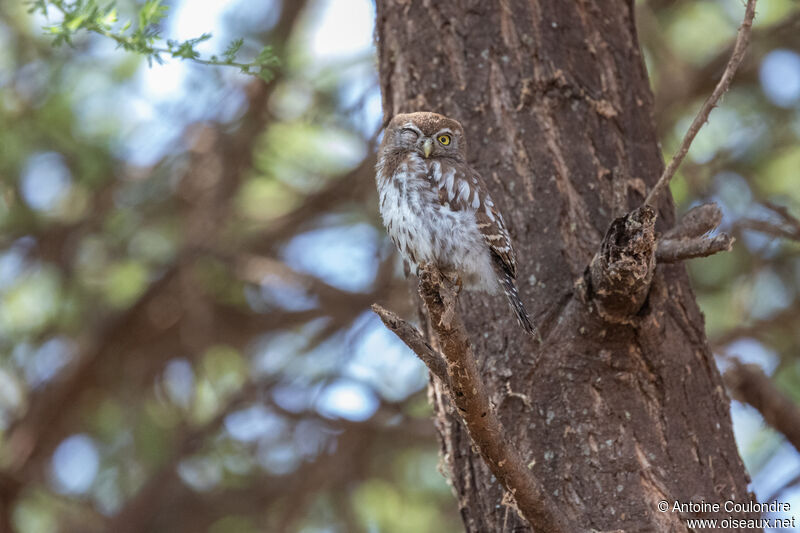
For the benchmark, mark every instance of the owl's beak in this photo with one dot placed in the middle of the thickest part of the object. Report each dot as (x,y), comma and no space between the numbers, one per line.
(427,147)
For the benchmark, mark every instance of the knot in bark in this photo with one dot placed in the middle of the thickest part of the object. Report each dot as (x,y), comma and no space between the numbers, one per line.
(621,272)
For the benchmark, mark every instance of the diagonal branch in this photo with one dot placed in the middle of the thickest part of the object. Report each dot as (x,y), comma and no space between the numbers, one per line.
(787,228)
(739,48)
(749,384)
(464,385)
(413,339)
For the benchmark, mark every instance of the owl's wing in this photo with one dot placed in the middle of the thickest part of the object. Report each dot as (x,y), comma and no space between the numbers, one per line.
(491,225)
(462,188)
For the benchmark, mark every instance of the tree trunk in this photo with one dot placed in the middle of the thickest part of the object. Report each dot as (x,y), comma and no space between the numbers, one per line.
(613,412)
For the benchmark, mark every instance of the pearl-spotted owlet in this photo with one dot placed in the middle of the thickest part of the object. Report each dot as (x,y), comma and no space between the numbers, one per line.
(437,210)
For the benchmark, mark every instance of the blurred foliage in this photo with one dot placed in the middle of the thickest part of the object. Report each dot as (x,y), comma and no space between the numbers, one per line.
(188,257)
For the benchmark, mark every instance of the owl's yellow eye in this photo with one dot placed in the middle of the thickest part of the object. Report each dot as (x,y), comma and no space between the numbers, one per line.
(444,139)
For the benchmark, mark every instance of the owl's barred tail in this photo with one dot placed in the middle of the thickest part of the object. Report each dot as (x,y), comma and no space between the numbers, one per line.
(510,290)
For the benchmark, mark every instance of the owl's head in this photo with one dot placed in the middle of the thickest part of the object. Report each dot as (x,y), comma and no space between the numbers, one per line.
(429,134)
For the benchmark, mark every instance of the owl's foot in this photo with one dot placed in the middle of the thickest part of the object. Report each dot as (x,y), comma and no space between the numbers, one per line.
(453,277)
(449,293)
(441,286)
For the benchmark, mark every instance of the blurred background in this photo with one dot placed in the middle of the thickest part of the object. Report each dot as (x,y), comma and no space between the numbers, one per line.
(188,256)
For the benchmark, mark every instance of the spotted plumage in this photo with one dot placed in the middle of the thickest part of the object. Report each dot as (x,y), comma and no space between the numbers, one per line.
(436,208)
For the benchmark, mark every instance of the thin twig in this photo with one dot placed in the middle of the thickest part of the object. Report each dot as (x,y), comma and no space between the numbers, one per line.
(739,48)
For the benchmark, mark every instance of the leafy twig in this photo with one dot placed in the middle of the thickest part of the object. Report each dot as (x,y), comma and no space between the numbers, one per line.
(145,38)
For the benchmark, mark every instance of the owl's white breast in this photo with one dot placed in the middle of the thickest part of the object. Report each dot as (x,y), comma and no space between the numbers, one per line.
(425,231)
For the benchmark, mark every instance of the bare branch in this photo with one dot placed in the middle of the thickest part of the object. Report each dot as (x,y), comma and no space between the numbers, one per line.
(784,213)
(413,339)
(739,48)
(686,241)
(674,250)
(787,228)
(768,228)
(351,187)
(782,323)
(784,486)
(466,390)
(749,384)
(696,222)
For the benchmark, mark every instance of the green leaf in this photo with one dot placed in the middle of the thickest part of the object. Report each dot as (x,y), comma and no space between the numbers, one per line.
(202,38)
(265,56)
(266,75)
(152,12)
(186,50)
(109,18)
(233,49)
(73,24)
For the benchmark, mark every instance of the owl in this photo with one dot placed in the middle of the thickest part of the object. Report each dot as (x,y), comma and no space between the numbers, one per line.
(436,208)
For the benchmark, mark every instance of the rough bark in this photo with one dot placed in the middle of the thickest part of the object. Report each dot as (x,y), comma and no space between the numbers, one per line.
(612,415)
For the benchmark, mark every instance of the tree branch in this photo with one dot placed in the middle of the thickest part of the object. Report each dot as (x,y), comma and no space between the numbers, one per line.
(686,240)
(749,384)
(464,385)
(674,250)
(787,228)
(696,222)
(413,339)
(739,48)
(782,323)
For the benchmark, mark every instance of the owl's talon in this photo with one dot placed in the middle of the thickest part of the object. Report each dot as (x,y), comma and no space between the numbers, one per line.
(454,279)
(459,285)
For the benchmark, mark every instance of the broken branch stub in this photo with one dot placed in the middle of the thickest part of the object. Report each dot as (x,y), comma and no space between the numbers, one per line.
(621,272)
